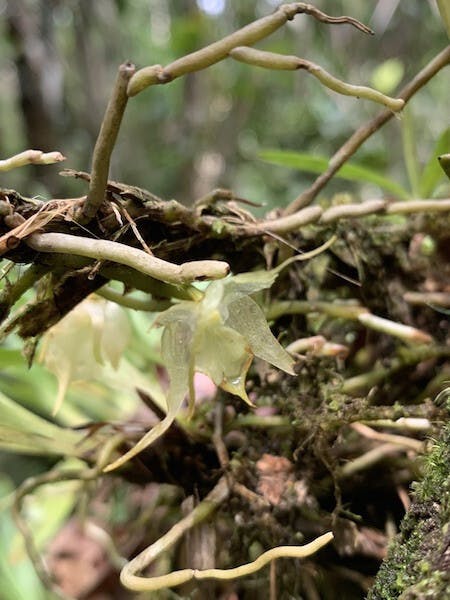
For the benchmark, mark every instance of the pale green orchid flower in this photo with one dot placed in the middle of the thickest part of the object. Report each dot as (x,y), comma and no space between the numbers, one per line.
(219,336)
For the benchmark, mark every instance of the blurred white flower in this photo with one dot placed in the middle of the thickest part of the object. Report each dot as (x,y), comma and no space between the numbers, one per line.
(94,333)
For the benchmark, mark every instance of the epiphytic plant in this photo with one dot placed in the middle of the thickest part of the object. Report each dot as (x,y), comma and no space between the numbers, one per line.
(195,323)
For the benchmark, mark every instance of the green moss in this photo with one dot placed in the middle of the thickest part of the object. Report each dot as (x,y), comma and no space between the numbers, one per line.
(436,482)
(416,566)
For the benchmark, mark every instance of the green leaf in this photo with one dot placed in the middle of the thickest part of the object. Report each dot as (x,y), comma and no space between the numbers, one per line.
(432,174)
(410,150)
(11,357)
(444,9)
(318,164)
(23,431)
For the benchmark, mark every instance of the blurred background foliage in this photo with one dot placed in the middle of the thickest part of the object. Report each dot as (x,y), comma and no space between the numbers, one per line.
(58,63)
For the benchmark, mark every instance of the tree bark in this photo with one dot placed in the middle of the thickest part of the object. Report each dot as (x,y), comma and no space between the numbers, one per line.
(418,561)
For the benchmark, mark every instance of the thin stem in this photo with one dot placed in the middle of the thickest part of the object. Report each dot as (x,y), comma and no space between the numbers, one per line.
(199,514)
(60,263)
(368,459)
(308,215)
(404,332)
(351,312)
(247,36)
(315,214)
(302,307)
(271,60)
(147,305)
(358,384)
(258,421)
(317,345)
(410,424)
(132,257)
(428,298)
(105,143)
(365,131)
(30,157)
(401,440)
(346,211)
(414,206)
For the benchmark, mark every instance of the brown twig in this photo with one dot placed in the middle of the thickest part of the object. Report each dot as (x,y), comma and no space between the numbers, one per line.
(424,298)
(365,131)
(390,438)
(271,60)
(105,143)
(217,51)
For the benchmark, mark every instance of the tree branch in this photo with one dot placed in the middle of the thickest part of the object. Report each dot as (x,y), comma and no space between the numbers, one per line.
(315,214)
(247,36)
(132,257)
(365,131)
(105,143)
(30,157)
(271,60)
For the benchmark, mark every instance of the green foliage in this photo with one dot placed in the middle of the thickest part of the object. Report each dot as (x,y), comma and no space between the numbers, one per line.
(444,9)
(410,150)
(18,579)
(23,431)
(317,164)
(432,173)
